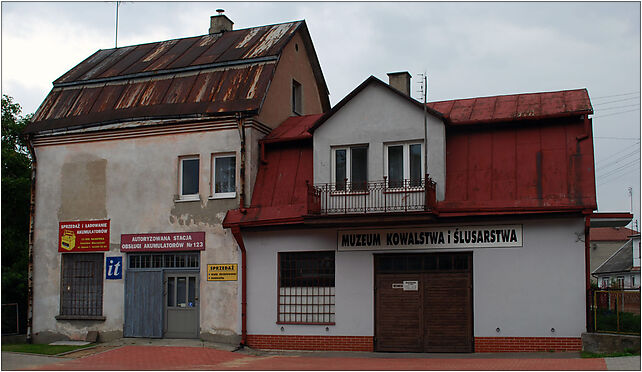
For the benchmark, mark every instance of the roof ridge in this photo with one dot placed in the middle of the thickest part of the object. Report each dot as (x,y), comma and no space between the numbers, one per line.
(506,95)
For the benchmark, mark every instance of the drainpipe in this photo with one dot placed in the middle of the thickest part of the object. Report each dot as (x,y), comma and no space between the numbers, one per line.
(32,216)
(236,231)
(587,268)
(239,123)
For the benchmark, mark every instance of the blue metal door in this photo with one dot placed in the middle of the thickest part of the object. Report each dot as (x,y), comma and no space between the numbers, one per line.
(144,304)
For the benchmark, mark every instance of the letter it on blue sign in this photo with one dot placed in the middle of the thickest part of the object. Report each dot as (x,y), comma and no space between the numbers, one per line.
(114,268)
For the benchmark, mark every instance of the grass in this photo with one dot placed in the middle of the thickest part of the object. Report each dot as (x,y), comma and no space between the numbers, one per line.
(43,349)
(627,352)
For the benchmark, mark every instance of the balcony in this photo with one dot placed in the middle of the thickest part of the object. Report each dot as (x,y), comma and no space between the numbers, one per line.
(372,197)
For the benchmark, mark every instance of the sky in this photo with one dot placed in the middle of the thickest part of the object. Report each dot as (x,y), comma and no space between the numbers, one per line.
(466,49)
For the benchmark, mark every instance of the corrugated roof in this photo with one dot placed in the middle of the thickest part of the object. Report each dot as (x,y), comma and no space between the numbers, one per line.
(192,77)
(527,106)
(621,260)
(611,233)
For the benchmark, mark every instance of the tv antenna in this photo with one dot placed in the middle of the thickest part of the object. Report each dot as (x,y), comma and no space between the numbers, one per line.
(116,39)
(423,91)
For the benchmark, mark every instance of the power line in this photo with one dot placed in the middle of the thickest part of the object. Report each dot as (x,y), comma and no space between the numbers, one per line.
(617,100)
(616,107)
(615,113)
(620,138)
(618,95)
(617,171)
(626,156)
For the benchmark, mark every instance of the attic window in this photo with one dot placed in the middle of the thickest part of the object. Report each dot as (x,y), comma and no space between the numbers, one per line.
(297,97)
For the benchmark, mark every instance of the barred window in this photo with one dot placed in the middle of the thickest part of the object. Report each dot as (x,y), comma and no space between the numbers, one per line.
(306,288)
(163,260)
(82,284)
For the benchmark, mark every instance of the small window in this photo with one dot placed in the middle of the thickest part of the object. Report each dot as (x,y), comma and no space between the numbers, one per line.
(224,176)
(306,288)
(605,282)
(189,171)
(404,165)
(632,281)
(81,290)
(351,166)
(297,98)
(620,282)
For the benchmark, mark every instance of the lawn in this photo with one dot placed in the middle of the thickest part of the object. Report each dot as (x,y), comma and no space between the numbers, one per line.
(42,348)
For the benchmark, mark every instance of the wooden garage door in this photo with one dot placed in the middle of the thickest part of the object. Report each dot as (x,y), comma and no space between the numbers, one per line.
(433,315)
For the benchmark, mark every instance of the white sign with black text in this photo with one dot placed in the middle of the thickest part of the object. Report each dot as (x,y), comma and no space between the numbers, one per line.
(489,236)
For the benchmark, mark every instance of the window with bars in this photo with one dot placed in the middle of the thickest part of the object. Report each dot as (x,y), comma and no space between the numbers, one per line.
(163,260)
(82,285)
(306,288)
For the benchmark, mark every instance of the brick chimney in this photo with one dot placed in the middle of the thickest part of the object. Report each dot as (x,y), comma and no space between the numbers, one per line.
(220,23)
(400,81)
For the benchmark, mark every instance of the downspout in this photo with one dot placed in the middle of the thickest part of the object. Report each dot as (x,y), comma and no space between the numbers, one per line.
(32,216)
(236,231)
(587,269)
(239,123)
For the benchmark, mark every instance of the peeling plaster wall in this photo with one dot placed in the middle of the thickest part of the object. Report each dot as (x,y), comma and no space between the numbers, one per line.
(134,183)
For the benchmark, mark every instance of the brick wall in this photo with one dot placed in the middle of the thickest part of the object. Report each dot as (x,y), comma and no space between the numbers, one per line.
(513,344)
(324,343)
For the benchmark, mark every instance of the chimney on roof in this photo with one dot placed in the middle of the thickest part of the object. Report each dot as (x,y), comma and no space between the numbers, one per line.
(400,81)
(220,23)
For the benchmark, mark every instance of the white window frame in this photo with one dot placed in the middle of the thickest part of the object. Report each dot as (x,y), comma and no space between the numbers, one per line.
(606,282)
(619,280)
(222,195)
(181,159)
(333,167)
(406,158)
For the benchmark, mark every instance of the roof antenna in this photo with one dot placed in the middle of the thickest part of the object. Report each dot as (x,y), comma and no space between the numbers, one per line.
(116,40)
(423,91)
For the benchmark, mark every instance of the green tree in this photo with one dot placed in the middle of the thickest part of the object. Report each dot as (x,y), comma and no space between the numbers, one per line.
(16,184)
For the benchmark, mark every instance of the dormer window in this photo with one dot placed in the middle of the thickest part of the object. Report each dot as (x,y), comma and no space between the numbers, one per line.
(404,164)
(297,98)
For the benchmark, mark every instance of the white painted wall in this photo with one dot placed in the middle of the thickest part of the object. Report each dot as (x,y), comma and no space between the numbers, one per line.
(140,187)
(523,291)
(374,117)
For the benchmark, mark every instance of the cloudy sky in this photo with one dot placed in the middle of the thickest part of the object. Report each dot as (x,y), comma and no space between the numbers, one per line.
(467,50)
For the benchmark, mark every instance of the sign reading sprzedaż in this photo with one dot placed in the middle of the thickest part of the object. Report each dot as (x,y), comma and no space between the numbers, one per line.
(83,236)
(161,242)
(222,272)
(495,236)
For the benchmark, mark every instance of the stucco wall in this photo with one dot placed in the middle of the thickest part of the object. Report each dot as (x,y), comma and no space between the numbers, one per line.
(293,64)
(368,119)
(134,183)
(523,291)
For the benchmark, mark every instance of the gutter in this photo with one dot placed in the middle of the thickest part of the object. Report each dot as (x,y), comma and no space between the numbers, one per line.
(587,268)
(236,231)
(32,216)
(239,122)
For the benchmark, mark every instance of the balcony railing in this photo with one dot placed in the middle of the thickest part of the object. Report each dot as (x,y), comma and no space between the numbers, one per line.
(372,197)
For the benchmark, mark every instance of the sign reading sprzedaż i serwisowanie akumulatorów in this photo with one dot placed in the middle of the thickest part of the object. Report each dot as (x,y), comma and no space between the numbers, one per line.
(490,236)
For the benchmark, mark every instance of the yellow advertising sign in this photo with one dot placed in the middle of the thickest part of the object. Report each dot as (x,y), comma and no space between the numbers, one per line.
(222,272)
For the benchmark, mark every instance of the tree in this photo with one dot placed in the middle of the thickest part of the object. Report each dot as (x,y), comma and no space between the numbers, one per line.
(16,189)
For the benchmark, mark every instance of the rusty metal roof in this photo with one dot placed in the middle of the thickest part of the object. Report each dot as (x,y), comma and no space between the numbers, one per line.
(192,77)
(527,106)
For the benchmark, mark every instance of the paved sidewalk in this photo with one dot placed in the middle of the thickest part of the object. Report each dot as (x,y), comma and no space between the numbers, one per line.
(631,363)
(137,357)
(15,361)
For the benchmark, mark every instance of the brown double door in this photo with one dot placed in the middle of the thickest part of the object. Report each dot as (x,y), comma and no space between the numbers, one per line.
(423,302)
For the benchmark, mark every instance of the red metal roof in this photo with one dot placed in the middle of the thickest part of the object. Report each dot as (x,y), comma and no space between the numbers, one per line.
(295,127)
(513,169)
(528,106)
(611,233)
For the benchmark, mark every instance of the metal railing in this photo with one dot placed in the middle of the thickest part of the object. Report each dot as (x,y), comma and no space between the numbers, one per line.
(372,197)
(615,311)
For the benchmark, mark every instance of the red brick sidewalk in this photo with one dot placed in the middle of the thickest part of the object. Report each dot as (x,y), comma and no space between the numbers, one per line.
(197,358)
